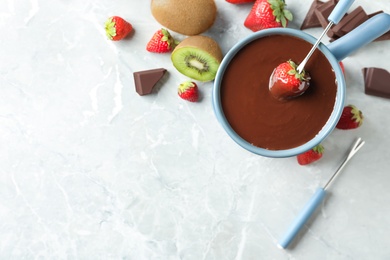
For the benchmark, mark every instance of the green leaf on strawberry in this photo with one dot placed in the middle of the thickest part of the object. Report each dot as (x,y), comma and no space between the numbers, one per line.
(281,14)
(117,28)
(287,15)
(110,28)
(294,72)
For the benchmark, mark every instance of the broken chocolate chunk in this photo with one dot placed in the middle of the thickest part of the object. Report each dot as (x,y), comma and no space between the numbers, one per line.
(311,19)
(376,82)
(318,14)
(359,17)
(323,13)
(147,79)
(350,21)
(353,20)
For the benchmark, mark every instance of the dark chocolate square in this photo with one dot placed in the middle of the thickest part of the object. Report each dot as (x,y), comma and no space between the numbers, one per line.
(323,13)
(376,82)
(357,16)
(311,19)
(146,80)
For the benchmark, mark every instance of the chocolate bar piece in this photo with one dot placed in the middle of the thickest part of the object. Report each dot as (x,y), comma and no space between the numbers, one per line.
(311,19)
(359,18)
(376,82)
(353,20)
(318,14)
(350,21)
(147,79)
(323,13)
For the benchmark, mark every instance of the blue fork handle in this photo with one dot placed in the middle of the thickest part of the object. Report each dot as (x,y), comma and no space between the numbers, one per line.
(339,10)
(303,216)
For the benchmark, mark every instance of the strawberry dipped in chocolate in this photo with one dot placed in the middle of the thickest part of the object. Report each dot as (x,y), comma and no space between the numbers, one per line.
(286,82)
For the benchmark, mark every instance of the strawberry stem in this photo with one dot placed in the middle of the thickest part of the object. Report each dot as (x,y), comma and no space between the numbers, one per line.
(281,14)
(319,149)
(110,28)
(294,71)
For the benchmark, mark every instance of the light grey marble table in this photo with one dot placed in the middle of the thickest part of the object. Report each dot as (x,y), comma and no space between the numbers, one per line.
(91,170)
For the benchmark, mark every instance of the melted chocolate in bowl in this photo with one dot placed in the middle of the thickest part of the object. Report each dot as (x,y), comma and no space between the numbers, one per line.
(258,117)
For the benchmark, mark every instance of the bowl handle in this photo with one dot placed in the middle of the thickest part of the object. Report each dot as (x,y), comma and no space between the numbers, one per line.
(360,36)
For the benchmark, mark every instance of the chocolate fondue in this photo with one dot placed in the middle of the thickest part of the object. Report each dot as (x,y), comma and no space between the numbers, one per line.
(258,117)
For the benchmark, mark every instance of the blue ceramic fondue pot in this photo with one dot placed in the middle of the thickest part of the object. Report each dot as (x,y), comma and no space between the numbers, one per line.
(334,52)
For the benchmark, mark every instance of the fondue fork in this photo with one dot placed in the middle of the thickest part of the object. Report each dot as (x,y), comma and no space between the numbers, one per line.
(316,200)
(334,18)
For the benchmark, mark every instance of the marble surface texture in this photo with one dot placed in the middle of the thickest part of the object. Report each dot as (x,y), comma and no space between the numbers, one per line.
(91,170)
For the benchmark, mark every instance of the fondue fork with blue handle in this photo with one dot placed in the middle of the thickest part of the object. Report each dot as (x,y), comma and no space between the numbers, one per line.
(315,200)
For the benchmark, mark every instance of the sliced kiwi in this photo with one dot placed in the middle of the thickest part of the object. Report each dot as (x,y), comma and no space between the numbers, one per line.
(197,57)
(188,17)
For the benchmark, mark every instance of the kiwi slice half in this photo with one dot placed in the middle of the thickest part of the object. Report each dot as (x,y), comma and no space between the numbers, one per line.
(198,57)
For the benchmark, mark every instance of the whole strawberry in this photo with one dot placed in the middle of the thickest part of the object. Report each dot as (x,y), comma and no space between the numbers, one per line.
(311,156)
(351,118)
(188,90)
(342,67)
(240,1)
(161,42)
(268,14)
(285,81)
(117,28)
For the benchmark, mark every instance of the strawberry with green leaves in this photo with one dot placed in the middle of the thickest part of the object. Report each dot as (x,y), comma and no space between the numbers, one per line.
(161,42)
(117,28)
(351,118)
(285,81)
(268,14)
(188,90)
(311,156)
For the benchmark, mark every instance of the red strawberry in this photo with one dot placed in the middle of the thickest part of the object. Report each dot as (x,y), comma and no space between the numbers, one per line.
(117,28)
(268,14)
(311,156)
(342,67)
(162,41)
(240,1)
(188,90)
(351,118)
(286,82)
